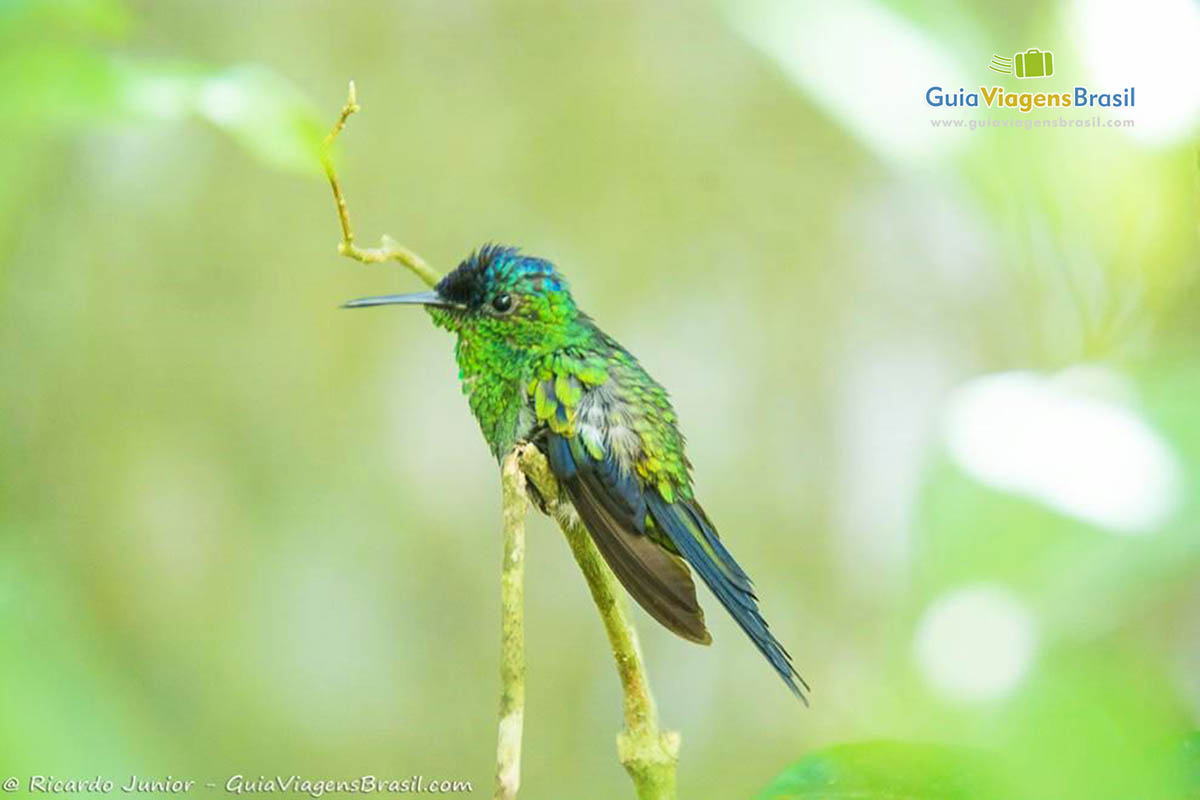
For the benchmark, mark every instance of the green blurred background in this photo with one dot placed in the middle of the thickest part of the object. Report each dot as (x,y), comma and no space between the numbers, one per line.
(940,387)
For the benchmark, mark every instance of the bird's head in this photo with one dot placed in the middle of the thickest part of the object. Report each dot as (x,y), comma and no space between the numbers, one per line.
(496,294)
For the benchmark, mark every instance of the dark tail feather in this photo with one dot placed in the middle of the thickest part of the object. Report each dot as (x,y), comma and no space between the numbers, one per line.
(694,536)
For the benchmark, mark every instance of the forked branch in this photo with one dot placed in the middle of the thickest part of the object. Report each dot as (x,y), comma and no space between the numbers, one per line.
(648,754)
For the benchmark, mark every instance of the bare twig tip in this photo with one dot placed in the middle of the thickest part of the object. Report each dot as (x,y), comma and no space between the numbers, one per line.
(390,250)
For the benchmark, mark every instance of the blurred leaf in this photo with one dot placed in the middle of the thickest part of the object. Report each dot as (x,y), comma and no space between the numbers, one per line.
(57,86)
(107,18)
(1094,723)
(886,771)
(63,80)
(260,110)
(1189,757)
(266,115)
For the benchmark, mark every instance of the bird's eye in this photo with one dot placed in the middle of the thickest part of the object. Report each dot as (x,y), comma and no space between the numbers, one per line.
(502,303)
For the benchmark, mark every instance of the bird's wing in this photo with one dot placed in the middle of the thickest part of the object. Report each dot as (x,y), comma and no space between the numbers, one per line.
(624,463)
(585,453)
(612,441)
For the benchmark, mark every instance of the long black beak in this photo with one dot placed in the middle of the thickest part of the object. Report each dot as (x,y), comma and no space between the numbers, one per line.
(431,298)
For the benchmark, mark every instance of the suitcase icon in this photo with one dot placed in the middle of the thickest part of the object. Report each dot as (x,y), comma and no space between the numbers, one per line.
(1033,63)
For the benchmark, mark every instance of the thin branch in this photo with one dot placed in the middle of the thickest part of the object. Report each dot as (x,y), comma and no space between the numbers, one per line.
(389,249)
(512,631)
(648,754)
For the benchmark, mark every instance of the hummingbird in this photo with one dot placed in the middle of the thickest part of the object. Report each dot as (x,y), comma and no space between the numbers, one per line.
(535,368)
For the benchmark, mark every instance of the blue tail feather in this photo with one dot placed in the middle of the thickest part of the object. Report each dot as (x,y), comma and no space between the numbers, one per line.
(732,568)
(690,530)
